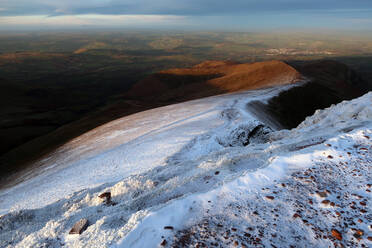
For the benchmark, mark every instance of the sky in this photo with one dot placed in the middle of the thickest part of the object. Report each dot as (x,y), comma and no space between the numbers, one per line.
(187,14)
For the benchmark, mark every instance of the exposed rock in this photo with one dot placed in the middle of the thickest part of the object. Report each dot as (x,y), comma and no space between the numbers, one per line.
(79,227)
(163,243)
(245,134)
(336,234)
(322,194)
(358,233)
(296,215)
(107,197)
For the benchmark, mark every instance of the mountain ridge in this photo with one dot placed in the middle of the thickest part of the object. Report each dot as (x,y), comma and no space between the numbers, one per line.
(202,80)
(214,77)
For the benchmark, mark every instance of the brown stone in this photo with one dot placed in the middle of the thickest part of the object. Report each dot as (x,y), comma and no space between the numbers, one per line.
(358,233)
(296,215)
(79,227)
(322,194)
(106,196)
(163,243)
(336,234)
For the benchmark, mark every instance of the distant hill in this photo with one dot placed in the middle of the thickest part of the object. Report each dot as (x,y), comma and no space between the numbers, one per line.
(212,77)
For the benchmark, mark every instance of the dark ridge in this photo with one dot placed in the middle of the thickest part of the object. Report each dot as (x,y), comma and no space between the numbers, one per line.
(291,107)
(330,82)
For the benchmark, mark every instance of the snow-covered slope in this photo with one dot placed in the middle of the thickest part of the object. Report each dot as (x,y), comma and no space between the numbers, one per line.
(132,145)
(209,170)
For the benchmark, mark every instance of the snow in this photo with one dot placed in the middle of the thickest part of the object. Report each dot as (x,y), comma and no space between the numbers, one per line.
(187,166)
(188,211)
(128,145)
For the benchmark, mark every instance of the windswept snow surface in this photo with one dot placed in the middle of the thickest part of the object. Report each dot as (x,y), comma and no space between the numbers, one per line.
(210,171)
(132,145)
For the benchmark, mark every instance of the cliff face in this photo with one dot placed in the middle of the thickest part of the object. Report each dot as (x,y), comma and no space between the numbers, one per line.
(330,82)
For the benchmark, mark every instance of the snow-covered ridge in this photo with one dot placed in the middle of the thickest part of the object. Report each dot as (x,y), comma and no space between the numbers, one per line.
(131,145)
(177,174)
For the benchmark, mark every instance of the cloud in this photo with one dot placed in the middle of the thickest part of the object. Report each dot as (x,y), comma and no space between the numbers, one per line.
(91,20)
(171,7)
(360,21)
(239,14)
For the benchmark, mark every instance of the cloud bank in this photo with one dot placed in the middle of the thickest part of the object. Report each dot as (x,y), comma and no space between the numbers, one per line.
(172,7)
(191,13)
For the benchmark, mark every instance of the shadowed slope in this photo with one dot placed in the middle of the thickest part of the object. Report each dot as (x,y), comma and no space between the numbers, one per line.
(330,82)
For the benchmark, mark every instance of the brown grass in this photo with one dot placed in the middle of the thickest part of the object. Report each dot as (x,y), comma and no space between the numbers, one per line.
(213,77)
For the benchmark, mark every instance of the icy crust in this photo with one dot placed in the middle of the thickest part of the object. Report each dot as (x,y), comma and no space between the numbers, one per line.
(230,181)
